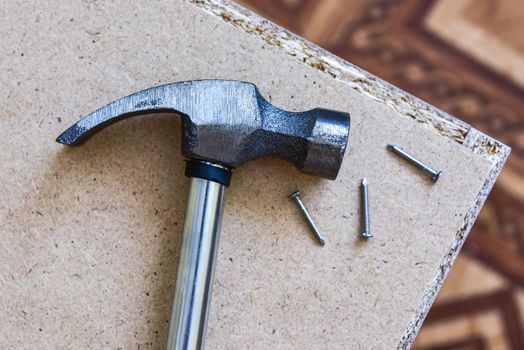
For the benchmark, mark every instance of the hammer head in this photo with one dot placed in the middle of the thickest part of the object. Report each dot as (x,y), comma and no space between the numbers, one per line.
(229,122)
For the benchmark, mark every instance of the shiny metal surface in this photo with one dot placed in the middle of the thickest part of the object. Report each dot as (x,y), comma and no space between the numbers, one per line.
(365,209)
(433,174)
(225,122)
(234,116)
(307,215)
(196,265)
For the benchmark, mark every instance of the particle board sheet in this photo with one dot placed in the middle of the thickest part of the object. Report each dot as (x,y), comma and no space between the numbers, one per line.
(90,236)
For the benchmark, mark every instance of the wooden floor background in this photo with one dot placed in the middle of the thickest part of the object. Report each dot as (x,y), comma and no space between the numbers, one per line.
(466,57)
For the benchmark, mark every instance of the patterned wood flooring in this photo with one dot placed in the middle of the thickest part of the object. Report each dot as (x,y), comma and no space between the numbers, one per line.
(466,57)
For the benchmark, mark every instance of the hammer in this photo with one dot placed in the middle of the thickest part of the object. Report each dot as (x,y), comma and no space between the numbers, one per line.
(224,124)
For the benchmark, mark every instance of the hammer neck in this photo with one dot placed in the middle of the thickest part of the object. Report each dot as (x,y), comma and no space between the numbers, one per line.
(208,171)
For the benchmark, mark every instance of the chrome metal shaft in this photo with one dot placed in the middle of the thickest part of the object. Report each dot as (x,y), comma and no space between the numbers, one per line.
(194,281)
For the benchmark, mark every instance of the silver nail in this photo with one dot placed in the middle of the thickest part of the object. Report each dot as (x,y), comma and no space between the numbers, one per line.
(296,197)
(434,174)
(365,210)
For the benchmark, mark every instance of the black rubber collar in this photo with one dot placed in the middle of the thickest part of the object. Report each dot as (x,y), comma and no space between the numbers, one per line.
(208,171)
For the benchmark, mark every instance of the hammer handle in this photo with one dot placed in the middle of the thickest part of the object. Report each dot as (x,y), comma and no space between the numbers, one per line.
(196,266)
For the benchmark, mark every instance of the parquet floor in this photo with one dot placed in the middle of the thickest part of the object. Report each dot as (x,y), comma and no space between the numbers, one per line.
(466,57)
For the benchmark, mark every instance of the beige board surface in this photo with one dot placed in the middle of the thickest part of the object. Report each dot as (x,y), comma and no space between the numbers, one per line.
(89,236)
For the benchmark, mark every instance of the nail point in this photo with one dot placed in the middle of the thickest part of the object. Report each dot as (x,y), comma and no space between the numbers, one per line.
(436,176)
(367,234)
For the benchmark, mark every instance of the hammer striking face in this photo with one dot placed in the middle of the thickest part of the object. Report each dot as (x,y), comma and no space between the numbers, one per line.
(225,123)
